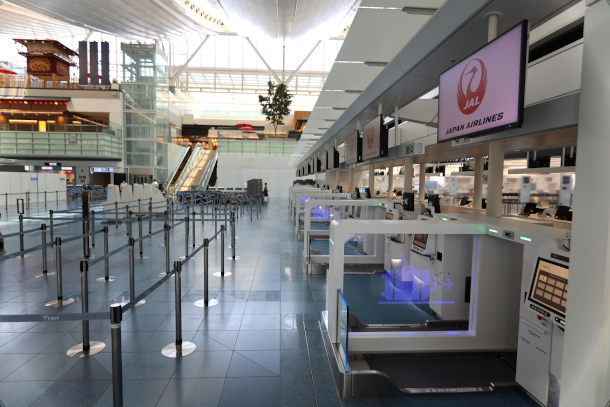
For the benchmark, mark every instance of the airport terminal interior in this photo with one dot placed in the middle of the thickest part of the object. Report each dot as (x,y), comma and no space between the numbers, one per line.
(304,203)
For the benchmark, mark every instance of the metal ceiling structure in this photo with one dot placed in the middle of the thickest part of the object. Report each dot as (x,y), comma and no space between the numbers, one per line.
(18,22)
(138,20)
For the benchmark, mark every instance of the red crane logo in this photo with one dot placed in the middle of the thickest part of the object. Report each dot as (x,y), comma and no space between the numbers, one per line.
(474,73)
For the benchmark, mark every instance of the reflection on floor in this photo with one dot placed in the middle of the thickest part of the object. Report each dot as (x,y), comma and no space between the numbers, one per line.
(261,346)
(322,246)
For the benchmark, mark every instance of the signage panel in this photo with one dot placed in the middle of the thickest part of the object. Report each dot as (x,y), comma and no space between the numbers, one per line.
(485,92)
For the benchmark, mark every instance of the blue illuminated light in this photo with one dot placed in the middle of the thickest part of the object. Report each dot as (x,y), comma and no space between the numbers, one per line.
(331,240)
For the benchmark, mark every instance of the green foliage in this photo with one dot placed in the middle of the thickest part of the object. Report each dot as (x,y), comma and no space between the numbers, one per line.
(276,104)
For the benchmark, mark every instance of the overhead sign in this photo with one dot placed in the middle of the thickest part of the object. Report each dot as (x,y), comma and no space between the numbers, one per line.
(351,149)
(101,169)
(53,168)
(485,92)
(374,139)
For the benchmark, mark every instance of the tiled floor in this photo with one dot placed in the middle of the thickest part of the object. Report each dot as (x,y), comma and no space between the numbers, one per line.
(261,346)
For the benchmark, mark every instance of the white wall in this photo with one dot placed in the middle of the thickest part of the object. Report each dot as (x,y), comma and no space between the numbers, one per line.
(235,171)
(35,183)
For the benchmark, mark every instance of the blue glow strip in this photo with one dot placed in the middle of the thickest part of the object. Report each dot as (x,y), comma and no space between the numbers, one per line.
(414,302)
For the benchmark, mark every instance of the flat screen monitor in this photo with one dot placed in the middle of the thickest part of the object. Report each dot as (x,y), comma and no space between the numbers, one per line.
(562,212)
(389,216)
(420,240)
(464,201)
(549,287)
(374,139)
(368,193)
(409,202)
(435,202)
(529,208)
(339,188)
(353,150)
(484,93)
(357,193)
(483,203)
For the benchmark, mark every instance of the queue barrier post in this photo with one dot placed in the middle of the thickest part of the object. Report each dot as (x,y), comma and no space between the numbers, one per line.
(88,347)
(107,278)
(179,348)
(206,302)
(93,228)
(60,301)
(116,318)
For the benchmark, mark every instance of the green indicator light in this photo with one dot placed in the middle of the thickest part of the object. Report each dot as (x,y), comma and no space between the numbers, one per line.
(493,230)
(527,239)
(445,219)
(331,240)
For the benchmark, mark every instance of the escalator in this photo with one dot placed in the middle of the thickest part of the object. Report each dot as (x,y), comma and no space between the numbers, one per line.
(214,177)
(181,167)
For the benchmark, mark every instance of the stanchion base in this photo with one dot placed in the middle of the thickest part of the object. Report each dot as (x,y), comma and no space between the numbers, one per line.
(25,256)
(164,274)
(171,350)
(45,275)
(60,303)
(231,258)
(229,246)
(103,279)
(219,274)
(94,347)
(140,303)
(201,303)
(142,258)
(91,256)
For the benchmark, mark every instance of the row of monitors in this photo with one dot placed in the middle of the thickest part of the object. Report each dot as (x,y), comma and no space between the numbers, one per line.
(562,212)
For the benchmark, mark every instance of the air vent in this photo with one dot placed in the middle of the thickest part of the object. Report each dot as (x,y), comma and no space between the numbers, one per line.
(556,43)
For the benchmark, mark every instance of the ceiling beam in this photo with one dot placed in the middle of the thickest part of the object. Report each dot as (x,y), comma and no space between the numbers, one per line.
(302,63)
(173,79)
(277,78)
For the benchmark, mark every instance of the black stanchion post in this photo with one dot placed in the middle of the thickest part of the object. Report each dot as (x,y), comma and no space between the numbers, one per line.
(128,224)
(186,237)
(43,230)
(251,209)
(173,222)
(107,278)
(21,247)
(60,301)
(150,217)
(45,199)
(6,202)
(206,302)
(93,228)
(116,214)
(140,236)
(116,317)
(194,228)
(85,239)
(179,348)
(215,219)
(57,198)
(167,244)
(233,236)
(88,347)
(132,276)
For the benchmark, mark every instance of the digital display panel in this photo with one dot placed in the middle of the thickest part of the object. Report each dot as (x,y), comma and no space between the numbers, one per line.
(351,150)
(389,216)
(485,92)
(374,139)
(101,169)
(550,286)
(420,240)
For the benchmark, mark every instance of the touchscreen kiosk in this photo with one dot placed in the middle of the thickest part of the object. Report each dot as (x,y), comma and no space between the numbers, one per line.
(408,202)
(368,193)
(424,244)
(549,290)
(464,201)
(357,193)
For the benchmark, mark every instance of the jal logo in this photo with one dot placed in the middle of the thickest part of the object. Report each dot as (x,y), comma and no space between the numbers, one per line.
(474,80)
(370,137)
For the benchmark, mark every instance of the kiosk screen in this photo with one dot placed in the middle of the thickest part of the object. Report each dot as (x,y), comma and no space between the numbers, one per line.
(389,216)
(550,286)
(420,240)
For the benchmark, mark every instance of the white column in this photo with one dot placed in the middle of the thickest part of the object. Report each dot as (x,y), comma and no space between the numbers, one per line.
(350,180)
(586,353)
(372,179)
(494,178)
(337,179)
(390,181)
(478,182)
(422,182)
(408,182)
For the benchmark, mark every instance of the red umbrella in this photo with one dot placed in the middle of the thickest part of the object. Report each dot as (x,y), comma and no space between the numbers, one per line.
(7,71)
(243,125)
